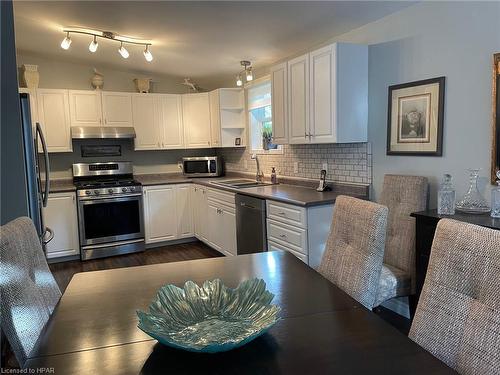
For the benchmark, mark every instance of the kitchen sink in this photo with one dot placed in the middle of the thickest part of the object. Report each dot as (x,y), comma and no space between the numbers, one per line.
(239,183)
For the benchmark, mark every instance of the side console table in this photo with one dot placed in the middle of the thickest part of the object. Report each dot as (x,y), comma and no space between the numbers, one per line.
(426,222)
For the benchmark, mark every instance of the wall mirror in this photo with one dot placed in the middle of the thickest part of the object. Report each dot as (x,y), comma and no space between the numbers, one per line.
(495,152)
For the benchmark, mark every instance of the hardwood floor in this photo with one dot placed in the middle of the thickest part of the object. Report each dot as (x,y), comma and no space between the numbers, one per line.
(64,271)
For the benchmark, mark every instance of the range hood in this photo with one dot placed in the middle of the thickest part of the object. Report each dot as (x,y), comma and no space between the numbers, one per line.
(102,132)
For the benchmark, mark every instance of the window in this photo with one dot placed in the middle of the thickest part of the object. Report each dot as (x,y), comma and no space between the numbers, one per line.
(260,119)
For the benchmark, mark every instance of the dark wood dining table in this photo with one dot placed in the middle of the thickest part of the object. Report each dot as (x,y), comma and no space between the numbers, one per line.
(93,329)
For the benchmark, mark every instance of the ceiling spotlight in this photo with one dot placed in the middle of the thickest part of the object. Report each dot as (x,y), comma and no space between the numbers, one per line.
(66,42)
(123,51)
(239,81)
(249,74)
(93,45)
(147,54)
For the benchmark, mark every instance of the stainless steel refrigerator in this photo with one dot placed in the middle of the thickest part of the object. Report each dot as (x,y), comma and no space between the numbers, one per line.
(36,162)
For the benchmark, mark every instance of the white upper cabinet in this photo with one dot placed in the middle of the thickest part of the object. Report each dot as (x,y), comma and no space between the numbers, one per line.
(322,77)
(227,113)
(196,117)
(170,110)
(146,120)
(85,108)
(53,114)
(117,108)
(157,121)
(325,97)
(215,132)
(279,103)
(298,100)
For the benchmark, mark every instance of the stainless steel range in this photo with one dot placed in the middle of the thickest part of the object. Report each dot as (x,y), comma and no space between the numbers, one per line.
(110,209)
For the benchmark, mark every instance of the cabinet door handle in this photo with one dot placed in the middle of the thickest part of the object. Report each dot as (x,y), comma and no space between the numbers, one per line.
(283,235)
(282,213)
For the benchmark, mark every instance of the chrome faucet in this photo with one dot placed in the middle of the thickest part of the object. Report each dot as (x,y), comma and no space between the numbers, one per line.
(259,177)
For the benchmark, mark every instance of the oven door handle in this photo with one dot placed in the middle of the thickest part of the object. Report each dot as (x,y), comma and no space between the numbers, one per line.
(110,198)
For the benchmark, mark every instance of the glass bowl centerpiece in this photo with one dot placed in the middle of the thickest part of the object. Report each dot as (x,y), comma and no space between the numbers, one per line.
(211,318)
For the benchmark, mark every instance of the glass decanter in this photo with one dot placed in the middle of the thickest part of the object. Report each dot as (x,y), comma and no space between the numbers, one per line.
(473,202)
(446,197)
(495,199)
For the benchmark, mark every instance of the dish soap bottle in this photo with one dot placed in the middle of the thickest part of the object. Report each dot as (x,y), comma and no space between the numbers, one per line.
(495,199)
(274,179)
(446,197)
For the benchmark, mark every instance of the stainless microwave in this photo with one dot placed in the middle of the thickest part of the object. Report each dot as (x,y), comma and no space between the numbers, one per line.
(202,166)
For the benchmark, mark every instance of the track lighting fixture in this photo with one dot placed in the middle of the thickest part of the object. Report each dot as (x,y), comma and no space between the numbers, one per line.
(107,35)
(147,54)
(123,51)
(246,72)
(66,42)
(93,45)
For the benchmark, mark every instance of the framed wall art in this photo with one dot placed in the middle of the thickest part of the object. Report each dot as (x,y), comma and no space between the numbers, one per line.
(415,118)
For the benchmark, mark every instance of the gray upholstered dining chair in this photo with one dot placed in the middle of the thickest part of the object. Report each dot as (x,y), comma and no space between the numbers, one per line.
(28,290)
(355,248)
(402,195)
(458,314)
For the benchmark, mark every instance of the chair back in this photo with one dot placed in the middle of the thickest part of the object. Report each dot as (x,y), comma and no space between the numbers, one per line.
(402,195)
(458,314)
(355,248)
(28,290)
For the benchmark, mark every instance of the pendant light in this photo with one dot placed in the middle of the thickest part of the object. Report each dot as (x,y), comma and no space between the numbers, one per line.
(246,72)
(239,81)
(249,74)
(66,42)
(123,51)
(93,45)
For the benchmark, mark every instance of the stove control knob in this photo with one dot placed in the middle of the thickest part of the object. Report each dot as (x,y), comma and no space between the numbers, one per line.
(110,191)
(132,188)
(96,192)
(124,190)
(88,192)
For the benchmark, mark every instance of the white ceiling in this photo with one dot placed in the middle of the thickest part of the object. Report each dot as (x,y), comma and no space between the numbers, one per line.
(201,40)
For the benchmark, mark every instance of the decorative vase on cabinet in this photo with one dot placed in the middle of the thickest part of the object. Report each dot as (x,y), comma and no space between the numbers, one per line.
(30,76)
(473,202)
(446,197)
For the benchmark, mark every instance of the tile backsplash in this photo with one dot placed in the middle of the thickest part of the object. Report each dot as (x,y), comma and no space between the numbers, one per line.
(347,162)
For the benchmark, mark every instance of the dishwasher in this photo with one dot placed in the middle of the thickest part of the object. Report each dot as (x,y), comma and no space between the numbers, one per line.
(251,234)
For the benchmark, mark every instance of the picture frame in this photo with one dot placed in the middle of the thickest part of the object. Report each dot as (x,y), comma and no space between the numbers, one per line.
(415,118)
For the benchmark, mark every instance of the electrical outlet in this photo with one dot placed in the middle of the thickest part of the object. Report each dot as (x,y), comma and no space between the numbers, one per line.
(296,167)
(324,166)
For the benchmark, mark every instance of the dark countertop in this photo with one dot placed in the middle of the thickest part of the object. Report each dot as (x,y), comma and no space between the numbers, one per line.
(484,220)
(61,186)
(286,193)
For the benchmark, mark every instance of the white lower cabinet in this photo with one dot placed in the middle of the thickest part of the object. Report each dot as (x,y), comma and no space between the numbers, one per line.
(184,211)
(215,218)
(200,212)
(60,216)
(302,231)
(167,213)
